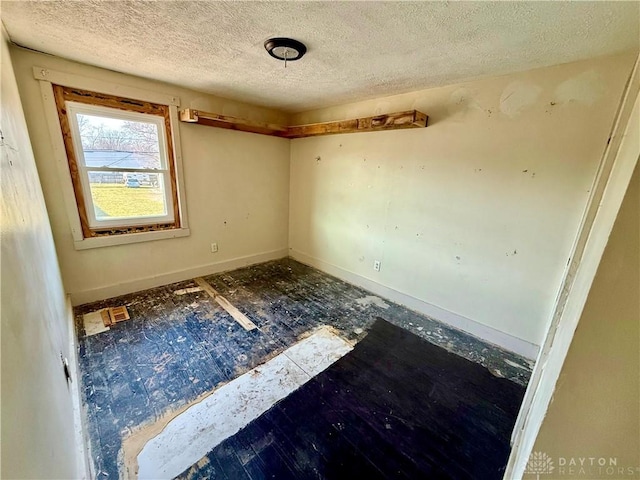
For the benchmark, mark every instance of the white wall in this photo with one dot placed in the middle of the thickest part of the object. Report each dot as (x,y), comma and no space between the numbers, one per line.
(37,415)
(236,185)
(473,217)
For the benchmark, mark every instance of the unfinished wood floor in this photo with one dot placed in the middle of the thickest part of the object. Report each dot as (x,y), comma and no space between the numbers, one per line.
(176,347)
(395,407)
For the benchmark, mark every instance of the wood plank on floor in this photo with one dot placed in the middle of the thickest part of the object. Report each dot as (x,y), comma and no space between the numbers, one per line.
(237,315)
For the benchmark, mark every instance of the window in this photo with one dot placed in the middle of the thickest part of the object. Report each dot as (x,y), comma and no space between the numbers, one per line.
(121,161)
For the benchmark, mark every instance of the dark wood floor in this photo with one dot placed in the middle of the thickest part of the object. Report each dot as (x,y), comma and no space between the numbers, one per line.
(178,347)
(395,407)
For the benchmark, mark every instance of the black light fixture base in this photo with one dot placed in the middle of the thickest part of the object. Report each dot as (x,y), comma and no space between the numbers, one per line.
(285,49)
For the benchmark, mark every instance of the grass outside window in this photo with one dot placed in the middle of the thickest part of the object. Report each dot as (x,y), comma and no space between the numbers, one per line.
(117,200)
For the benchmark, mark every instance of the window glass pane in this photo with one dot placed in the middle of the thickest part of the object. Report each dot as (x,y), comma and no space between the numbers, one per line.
(125,194)
(117,143)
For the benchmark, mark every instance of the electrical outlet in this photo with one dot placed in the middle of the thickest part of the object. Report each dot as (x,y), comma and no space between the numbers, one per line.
(214,247)
(376,265)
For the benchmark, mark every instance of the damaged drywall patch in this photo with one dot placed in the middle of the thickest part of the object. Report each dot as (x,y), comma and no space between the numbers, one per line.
(517,97)
(462,101)
(586,88)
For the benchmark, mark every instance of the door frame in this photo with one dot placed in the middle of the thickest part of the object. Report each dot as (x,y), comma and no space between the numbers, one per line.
(609,187)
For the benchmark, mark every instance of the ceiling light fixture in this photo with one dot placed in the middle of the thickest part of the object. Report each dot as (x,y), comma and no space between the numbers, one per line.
(285,49)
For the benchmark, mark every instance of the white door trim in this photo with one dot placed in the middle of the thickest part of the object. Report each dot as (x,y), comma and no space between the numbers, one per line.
(608,190)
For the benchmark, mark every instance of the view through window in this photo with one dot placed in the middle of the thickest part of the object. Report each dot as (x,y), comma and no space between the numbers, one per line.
(123,165)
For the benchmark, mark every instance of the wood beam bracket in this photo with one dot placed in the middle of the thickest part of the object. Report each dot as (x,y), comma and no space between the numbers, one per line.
(390,121)
(189,115)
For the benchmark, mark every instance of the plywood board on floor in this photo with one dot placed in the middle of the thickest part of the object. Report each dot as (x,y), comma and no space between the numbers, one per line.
(94,322)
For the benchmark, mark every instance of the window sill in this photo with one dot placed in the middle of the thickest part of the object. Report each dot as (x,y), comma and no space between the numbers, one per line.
(98,242)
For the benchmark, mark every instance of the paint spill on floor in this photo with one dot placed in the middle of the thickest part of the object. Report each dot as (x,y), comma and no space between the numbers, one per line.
(372,300)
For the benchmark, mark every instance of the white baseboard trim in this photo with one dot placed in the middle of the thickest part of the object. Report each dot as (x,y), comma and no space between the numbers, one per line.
(484,332)
(109,291)
(83,460)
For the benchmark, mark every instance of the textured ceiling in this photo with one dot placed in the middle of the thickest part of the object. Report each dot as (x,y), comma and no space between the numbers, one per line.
(357,50)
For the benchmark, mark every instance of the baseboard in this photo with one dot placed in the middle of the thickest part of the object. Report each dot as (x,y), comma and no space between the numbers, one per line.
(484,332)
(109,291)
(83,460)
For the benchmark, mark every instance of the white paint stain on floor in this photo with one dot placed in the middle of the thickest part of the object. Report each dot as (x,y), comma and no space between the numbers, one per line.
(514,364)
(372,300)
(195,432)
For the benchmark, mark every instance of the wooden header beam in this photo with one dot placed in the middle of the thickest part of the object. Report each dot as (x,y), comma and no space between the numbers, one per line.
(391,121)
(223,121)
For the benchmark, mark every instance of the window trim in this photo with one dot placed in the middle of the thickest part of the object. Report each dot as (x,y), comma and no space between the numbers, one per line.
(64,96)
(46,79)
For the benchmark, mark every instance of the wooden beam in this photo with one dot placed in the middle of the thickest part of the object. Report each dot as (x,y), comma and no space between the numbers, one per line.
(237,315)
(224,121)
(391,121)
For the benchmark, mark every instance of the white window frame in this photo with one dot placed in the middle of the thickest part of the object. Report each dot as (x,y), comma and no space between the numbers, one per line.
(49,77)
(73,109)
